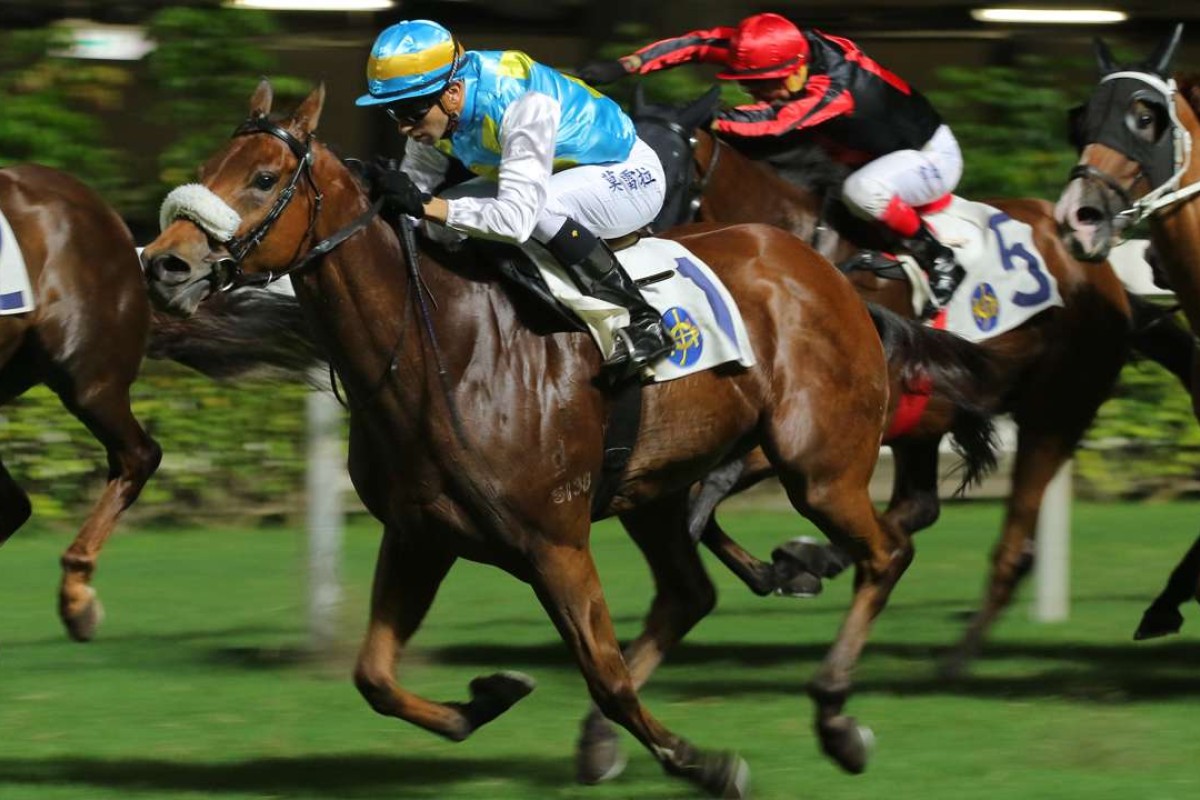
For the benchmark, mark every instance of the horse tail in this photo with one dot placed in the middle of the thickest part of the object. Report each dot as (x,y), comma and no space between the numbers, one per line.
(248,333)
(959,371)
(1158,336)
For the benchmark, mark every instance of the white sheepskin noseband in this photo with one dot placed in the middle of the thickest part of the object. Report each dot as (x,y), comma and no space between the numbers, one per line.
(202,206)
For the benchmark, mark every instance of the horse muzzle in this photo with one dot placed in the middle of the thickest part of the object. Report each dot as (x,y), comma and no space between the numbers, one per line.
(1089,220)
(175,285)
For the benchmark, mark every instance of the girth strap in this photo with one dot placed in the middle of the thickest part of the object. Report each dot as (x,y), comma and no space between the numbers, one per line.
(620,436)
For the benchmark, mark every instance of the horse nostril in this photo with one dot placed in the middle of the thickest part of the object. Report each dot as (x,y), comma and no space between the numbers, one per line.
(1089,215)
(169,264)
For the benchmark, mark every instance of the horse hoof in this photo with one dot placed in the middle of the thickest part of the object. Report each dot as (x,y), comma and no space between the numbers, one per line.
(805,554)
(598,756)
(800,585)
(848,744)
(725,775)
(81,625)
(492,695)
(1158,622)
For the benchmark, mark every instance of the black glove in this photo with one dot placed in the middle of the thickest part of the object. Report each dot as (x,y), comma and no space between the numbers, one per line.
(400,195)
(601,72)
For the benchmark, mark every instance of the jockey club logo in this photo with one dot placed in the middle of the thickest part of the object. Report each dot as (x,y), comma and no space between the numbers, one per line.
(689,341)
(985,307)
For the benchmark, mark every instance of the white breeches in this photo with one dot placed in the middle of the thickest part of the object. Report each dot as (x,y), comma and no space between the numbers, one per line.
(917,177)
(610,200)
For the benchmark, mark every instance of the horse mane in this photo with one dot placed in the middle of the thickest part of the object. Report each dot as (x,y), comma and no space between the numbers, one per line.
(808,167)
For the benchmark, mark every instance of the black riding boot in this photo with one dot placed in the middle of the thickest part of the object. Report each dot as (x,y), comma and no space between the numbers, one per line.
(939,263)
(597,272)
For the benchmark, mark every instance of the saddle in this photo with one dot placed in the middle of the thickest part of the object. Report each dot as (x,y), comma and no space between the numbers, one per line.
(519,271)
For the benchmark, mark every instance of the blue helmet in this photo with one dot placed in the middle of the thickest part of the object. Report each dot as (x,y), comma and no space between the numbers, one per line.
(410,59)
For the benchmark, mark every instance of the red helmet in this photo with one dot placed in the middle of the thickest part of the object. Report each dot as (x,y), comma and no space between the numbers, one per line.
(765,46)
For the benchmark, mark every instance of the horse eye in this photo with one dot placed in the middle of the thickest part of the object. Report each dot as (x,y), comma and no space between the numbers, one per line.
(265,180)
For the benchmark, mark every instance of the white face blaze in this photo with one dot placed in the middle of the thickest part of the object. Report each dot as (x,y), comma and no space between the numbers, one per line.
(202,206)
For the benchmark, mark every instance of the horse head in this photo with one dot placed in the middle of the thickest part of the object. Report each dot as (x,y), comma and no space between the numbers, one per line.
(252,214)
(670,131)
(1134,136)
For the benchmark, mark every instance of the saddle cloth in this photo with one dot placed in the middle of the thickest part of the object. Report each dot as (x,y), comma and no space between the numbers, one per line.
(16,295)
(697,309)
(1007,281)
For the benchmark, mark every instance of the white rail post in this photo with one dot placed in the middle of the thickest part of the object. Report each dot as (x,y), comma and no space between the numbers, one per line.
(1053,554)
(325,474)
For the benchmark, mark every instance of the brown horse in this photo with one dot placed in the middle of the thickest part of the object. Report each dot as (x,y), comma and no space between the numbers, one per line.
(1138,161)
(450,390)
(1055,370)
(85,340)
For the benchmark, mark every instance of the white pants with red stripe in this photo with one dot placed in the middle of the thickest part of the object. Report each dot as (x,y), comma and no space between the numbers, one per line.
(915,177)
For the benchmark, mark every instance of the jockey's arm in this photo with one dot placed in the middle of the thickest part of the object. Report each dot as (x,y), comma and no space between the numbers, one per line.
(820,103)
(527,139)
(708,46)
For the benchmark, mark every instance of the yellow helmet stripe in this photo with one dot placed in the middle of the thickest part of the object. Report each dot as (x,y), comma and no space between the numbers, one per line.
(382,69)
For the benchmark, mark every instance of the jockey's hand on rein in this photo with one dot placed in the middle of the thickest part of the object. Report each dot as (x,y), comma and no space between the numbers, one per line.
(400,195)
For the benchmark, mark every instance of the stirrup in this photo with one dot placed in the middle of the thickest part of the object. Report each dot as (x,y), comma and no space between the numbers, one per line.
(625,361)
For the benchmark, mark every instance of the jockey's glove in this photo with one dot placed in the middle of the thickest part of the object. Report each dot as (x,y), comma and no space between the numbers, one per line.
(601,72)
(400,195)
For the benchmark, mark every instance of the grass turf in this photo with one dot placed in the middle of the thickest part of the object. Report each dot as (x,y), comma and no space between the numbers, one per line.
(194,687)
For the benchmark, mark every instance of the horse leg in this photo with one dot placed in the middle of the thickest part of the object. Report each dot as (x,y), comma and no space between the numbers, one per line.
(796,567)
(408,572)
(684,595)
(566,582)
(914,505)
(103,406)
(1162,617)
(1039,457)
(841,507)
(14,505)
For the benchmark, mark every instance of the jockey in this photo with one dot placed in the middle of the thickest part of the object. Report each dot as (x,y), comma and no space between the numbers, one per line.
(821,87)
(556,161)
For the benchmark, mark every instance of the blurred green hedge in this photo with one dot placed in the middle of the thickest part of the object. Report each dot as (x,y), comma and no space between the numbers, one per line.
(230,453)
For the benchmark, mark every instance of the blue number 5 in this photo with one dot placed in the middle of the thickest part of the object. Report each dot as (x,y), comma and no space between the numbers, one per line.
(1008,256)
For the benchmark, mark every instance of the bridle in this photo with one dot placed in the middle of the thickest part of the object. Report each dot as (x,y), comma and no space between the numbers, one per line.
(1168,193)
(228,272)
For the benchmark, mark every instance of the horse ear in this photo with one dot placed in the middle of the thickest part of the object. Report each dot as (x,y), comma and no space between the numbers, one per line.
(639,101)
(309,113)
(1104,57)
(702,108)
(1160,60)
(260,101)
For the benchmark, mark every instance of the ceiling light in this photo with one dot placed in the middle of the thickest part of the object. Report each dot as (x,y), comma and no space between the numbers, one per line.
(1067,16)
(313,5)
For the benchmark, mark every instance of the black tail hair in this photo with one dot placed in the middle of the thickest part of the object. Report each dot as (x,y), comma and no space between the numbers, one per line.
(248,333)
(960,371)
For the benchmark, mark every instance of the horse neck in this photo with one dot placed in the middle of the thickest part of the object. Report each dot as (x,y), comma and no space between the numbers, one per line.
(1176,231)
(741,190)
(363,301)
(367,306)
